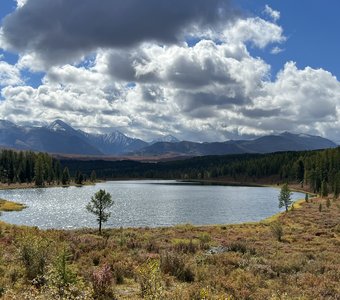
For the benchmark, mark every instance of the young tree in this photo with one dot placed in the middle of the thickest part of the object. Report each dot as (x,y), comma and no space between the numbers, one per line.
(285,197)
(98,205)
(324,189)
(65,177)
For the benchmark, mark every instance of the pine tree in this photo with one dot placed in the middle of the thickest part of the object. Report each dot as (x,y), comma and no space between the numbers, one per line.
(93,176)
(285,197)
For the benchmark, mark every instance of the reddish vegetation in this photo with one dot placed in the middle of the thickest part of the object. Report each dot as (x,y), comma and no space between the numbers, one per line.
(244,261)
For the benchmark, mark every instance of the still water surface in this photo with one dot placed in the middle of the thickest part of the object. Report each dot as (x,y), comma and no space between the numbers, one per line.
(144,203)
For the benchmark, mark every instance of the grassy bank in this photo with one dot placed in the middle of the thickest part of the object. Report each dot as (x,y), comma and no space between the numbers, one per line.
(245,261)
(6,205)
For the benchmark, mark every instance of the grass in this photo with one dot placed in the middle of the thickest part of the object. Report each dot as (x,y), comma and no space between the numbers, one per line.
(10,206)
(248,261)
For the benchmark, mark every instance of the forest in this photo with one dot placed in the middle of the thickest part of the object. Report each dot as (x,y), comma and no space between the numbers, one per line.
(320,170)
(316,169)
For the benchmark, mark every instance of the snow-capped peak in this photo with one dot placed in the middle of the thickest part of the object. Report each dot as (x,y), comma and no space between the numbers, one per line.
(59,125)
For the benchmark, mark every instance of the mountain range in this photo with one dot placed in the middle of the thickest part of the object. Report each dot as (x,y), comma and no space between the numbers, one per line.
(60,138)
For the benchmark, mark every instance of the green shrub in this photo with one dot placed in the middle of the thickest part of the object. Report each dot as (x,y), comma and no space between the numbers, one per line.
(62,275)
(34,254)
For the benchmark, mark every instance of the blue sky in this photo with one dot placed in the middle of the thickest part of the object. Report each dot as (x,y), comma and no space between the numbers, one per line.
(311,28)
(142,79)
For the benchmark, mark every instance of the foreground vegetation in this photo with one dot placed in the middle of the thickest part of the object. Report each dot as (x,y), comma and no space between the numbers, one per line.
(292,256)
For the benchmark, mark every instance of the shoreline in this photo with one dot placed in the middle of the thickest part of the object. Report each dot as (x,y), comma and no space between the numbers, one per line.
(23,186)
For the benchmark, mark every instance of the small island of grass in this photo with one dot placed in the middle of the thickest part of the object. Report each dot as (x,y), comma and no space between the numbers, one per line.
(6,205)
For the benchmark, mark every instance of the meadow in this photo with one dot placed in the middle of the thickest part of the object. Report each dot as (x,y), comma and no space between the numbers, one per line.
(292,255)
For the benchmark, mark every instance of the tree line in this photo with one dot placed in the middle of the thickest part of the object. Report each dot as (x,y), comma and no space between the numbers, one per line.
(319,170)
(38,168)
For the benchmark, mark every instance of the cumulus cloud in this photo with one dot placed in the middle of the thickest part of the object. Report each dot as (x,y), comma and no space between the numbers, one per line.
(148,82)
(255,30)
(9,74)
(65,30)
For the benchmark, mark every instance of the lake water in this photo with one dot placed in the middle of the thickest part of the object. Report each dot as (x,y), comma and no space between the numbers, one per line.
(144,203)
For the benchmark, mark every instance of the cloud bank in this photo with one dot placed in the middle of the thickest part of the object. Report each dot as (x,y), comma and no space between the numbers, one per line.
(153,67)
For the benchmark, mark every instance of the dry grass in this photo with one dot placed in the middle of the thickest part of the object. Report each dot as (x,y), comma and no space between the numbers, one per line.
(243,261)
(6,205)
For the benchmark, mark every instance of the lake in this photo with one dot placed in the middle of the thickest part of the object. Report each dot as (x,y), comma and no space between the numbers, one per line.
(144,203)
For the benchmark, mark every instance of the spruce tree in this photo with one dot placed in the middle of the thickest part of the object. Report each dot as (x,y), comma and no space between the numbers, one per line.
(65,178)
(39,171)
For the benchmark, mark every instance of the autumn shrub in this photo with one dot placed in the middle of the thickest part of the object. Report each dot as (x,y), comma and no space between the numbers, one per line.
(185,246)
(150,280)
(102,281)
(152,246)
(277,230)
(241,248)
(204,239)
(177,265)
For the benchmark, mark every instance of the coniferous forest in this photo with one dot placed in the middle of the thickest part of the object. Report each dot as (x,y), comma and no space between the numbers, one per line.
(317,169)
(312,168)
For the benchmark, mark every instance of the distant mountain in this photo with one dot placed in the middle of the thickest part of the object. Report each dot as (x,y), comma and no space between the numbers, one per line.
(267,144)
(115,143)
(59,137)
(167,138)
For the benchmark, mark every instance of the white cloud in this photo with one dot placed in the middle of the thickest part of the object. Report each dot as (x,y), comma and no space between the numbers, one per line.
(273,14)
(276,50)
(256,31)
(9,74)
